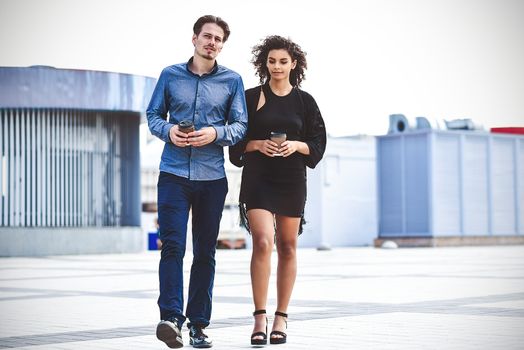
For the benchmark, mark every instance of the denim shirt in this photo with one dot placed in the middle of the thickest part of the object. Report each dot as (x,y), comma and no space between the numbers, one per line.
(215,99)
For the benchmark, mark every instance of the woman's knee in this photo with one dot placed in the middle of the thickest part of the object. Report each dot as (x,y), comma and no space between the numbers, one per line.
(262,245)
(286,249)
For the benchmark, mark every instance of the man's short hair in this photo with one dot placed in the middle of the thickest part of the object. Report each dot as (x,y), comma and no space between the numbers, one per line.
(197,27)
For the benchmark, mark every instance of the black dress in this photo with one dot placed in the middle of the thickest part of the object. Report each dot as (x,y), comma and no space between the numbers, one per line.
(278,184)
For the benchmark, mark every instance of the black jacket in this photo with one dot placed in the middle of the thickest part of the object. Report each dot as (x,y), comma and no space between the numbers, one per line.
(314,133)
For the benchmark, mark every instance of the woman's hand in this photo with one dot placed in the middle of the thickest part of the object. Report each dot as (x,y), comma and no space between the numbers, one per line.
(289,147)
(266,147)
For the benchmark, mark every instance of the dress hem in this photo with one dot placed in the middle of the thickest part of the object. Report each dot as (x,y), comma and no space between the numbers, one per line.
(244,222)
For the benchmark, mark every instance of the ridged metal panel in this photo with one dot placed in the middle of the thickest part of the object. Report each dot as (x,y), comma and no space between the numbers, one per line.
(474,184)
(3,165)
(13,165)
(63,168)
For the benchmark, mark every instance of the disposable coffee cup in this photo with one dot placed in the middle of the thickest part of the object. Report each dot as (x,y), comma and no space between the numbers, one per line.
(278,138)
(186,126)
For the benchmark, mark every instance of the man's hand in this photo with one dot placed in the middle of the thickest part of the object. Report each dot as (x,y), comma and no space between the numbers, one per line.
(202,137)
(179,138)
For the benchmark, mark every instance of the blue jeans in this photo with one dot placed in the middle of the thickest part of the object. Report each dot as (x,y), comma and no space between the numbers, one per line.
(176,196)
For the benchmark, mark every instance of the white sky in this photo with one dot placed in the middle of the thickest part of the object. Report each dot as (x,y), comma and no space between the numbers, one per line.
(442,59)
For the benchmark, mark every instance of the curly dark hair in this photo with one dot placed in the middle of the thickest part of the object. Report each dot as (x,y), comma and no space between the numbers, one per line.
(276,42)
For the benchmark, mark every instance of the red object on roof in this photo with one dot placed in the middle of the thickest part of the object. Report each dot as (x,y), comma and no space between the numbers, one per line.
(509,130)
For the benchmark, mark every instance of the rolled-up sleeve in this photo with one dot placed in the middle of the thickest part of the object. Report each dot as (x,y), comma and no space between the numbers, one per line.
(157,110)
(235,129)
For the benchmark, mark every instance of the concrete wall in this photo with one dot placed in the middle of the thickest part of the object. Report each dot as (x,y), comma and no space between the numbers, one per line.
(341,207)
(65,241)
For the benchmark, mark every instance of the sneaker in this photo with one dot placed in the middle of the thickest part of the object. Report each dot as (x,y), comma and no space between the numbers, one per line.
(169,333)
(197,338)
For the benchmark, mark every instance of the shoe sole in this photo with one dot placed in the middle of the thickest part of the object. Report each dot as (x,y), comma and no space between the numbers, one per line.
(275,341)
(258,341)
(199,346)
(169,335)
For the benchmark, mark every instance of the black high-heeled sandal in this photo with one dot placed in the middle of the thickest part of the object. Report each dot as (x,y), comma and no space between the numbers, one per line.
(262,341)
(283,336)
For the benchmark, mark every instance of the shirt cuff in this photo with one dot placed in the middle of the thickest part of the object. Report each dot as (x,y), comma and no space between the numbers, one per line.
(165,132)
(221,132)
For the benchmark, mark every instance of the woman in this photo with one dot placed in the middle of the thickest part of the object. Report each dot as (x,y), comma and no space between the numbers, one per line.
(273,188)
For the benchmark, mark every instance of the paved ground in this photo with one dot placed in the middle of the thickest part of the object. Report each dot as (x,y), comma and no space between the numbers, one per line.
(350,298)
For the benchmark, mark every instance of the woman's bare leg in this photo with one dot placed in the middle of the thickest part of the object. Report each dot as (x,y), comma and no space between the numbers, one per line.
(262,229)
(287,236)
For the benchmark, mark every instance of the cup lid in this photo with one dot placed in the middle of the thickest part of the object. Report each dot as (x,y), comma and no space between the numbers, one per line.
(278,133)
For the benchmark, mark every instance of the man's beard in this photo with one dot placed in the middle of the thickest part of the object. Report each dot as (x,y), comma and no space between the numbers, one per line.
(207,56)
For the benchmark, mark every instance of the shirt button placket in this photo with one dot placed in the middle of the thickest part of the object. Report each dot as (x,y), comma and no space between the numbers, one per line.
(193,167)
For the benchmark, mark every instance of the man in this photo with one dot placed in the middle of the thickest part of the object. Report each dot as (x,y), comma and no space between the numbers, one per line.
(192,174)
